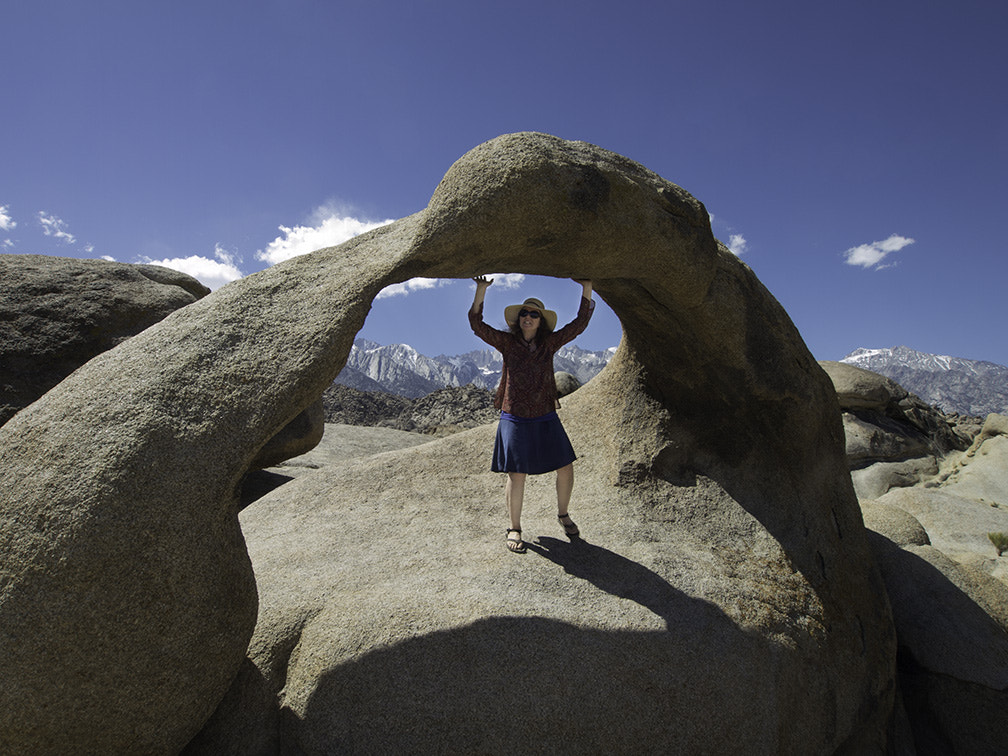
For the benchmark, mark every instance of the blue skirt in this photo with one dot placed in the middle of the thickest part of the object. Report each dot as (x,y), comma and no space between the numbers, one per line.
(532,445)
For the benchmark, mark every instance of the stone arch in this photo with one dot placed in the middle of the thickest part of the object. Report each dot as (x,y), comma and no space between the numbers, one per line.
(141,452)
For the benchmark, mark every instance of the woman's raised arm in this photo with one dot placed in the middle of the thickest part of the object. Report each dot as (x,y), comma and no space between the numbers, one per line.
(482,284)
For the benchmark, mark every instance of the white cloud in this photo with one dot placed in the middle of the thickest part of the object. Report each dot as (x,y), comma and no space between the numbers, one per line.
(225,256)
(414,284)
(108,257)
(501,280)
(211,273)
(331,228)
(6,222)
(507,280)
(55,227)
(872,255)
(737,244)
(7,244)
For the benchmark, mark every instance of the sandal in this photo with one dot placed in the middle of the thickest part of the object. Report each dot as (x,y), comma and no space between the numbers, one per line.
(517,545)
(569,527)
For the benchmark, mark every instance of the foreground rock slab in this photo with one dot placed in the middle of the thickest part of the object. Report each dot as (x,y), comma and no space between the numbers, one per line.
(714,443)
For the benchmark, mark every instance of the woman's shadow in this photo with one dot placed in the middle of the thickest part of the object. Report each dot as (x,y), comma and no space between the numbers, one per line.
(624,578)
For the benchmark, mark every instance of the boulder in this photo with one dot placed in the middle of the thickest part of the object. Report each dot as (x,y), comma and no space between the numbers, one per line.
(957,525)
(727,598)
(56,313)
(878,478)
(896,524)
(566,383)
(858,388)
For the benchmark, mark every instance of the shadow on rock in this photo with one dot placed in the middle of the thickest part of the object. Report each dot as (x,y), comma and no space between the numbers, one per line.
(546,685)
(621,577)
(952,656)
(258,483)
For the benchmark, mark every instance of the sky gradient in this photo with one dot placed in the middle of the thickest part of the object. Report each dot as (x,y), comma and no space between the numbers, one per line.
(854,154)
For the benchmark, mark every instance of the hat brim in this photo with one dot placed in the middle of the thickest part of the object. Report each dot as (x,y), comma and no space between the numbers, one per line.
(511,314)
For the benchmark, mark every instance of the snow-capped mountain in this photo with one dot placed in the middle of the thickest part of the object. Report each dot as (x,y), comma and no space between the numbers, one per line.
(400,369)
(952,384)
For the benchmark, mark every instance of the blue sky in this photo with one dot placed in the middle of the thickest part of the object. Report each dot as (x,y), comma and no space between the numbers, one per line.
(853,154)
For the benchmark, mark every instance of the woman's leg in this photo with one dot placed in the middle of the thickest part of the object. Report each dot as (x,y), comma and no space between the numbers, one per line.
(564,488)
(514,494)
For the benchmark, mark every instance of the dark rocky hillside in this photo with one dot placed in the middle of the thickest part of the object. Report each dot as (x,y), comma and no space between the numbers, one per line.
(443,411)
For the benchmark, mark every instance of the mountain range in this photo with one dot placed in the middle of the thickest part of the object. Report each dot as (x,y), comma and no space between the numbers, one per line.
(953,384)
(400,369)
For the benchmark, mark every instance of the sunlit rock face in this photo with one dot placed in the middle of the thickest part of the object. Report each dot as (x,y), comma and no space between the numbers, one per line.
(724,597)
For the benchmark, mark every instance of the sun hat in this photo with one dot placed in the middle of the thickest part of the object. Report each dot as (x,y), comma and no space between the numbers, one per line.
(511,312)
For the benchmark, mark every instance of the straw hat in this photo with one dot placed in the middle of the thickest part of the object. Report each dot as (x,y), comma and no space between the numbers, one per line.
(511,312)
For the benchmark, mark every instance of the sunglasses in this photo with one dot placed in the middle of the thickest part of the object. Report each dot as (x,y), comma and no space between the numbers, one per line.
(529,314)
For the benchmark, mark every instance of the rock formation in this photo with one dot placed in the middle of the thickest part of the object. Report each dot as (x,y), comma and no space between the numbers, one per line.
(893,439)
(56,313)
(930,506)
(726,599)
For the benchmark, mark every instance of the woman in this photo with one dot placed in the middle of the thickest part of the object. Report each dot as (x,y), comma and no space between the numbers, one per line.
(530,438)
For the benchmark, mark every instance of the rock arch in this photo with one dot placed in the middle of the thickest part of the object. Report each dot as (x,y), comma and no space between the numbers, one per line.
(124,562)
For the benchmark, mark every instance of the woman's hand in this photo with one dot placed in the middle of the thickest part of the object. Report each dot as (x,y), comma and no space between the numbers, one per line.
(586,287)
(482,284)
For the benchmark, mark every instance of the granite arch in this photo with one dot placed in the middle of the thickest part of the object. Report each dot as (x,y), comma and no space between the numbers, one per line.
(126,475)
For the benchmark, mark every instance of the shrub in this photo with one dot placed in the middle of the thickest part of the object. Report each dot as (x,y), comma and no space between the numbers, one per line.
(1000,541)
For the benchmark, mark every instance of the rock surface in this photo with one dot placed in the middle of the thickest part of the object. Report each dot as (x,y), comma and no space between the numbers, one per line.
(56,313)
(339,443)
(731,601)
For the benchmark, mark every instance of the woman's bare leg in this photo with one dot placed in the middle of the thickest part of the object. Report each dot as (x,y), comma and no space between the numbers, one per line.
(514,494)
(564,488)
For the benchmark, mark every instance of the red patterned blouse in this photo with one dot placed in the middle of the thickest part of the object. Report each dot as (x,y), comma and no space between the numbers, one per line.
(527,387)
